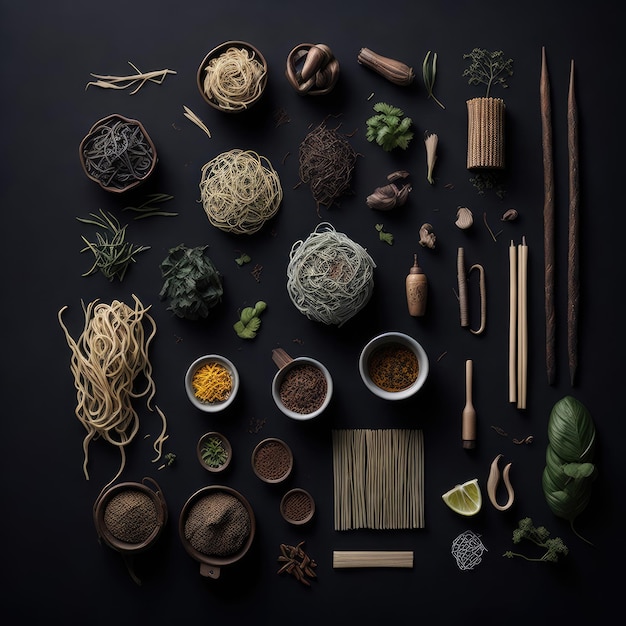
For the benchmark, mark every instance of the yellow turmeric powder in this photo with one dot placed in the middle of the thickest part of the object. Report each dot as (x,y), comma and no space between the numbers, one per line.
(212,382)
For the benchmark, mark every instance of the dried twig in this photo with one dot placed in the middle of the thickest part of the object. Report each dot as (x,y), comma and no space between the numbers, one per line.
(123,82)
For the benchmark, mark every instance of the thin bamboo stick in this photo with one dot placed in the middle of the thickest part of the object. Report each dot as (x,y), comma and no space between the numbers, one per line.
(512,323)
(573,286)
(522,324)
(548,218)
(462,282)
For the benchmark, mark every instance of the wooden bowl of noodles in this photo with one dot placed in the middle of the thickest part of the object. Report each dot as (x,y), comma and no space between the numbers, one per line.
(117,153)
(232,77)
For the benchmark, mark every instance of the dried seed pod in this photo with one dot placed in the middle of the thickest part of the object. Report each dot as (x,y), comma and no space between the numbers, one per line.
(509,215)
(464,218)
(427,236)
(394,71)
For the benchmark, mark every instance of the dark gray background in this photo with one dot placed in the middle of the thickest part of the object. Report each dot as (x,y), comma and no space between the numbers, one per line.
(53,563)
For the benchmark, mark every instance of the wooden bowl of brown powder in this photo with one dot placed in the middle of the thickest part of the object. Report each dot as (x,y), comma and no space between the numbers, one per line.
(302,387)
(272,460)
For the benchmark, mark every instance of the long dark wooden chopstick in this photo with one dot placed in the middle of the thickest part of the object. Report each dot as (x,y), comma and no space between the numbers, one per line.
(548,217)
(573,283)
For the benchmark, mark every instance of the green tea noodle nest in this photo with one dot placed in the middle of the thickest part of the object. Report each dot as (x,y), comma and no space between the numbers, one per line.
(330,278)
(234,79)
(240,191)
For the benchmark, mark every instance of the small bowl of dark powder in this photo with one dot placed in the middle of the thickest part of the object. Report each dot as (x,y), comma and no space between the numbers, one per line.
(302,387)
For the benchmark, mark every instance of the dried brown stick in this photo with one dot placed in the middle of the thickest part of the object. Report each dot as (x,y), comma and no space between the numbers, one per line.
(548,217)
(573,286)
(462,283)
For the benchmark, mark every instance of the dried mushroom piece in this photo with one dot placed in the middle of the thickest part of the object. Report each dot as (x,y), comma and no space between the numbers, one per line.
(427,236)
(509,216)
(389,196)
(464,218)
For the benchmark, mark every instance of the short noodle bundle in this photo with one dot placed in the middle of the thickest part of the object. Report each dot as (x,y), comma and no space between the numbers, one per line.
(234,79)
(330,278)
(107,358)
(240,191)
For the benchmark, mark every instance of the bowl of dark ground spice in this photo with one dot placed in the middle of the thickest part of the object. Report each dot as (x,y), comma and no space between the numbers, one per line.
(272,460)
(393,366)
(297,506)
(302,388)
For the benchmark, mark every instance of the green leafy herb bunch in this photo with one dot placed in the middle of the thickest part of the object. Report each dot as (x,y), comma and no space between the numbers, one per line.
(488,68)
(389,128)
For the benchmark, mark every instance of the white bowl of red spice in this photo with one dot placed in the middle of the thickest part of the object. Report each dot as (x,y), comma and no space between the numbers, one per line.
(211,383)
(302,388)
(393,366)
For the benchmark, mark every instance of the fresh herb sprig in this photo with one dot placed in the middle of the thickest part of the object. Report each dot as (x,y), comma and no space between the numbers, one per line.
(213,452)
(389,128)
(540,536)
(112,253)
(146,209)
(488,68)
(383,235)
(429,73)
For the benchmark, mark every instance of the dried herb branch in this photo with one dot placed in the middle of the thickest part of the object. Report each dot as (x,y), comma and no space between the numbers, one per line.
(488,68)
(295,561)
(112,253)
(124,82)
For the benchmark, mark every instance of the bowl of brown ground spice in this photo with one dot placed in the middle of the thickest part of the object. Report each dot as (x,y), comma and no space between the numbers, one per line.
(302,387)
(272,460)
(393,366)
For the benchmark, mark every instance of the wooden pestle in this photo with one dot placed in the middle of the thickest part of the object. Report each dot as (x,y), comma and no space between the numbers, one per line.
(469,413)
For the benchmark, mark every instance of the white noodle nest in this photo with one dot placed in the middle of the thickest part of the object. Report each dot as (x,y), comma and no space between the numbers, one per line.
(330,278)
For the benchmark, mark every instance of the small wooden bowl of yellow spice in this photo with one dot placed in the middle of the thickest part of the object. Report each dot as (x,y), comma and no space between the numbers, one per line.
(212,382)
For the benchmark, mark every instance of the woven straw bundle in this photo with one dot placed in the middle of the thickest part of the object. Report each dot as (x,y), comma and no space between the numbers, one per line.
(485,133)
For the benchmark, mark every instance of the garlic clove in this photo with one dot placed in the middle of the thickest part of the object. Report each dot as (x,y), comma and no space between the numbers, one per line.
(509,215)
(464,218)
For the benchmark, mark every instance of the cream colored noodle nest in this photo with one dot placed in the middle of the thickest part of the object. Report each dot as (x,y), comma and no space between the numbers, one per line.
(240,191)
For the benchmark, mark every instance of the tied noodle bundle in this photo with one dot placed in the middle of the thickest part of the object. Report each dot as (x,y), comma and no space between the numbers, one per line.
(240,191)
(327,162)
(330,278)
(107,358)
(234,79)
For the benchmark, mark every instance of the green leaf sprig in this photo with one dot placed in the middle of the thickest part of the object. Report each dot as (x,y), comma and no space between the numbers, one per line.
(389,128)
(112,253)
(384,236)
(249,320)
(488,68)
(429,73)
(213,452)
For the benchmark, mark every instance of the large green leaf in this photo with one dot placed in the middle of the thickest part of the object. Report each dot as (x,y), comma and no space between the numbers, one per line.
(571,431)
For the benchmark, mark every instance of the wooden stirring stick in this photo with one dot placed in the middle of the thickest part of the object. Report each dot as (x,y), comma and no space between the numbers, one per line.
(469,413)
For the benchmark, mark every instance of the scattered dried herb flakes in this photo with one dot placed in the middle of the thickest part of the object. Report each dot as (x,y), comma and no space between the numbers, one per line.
(295,561)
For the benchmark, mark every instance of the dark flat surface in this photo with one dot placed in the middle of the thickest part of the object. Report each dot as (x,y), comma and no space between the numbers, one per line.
(53,563)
